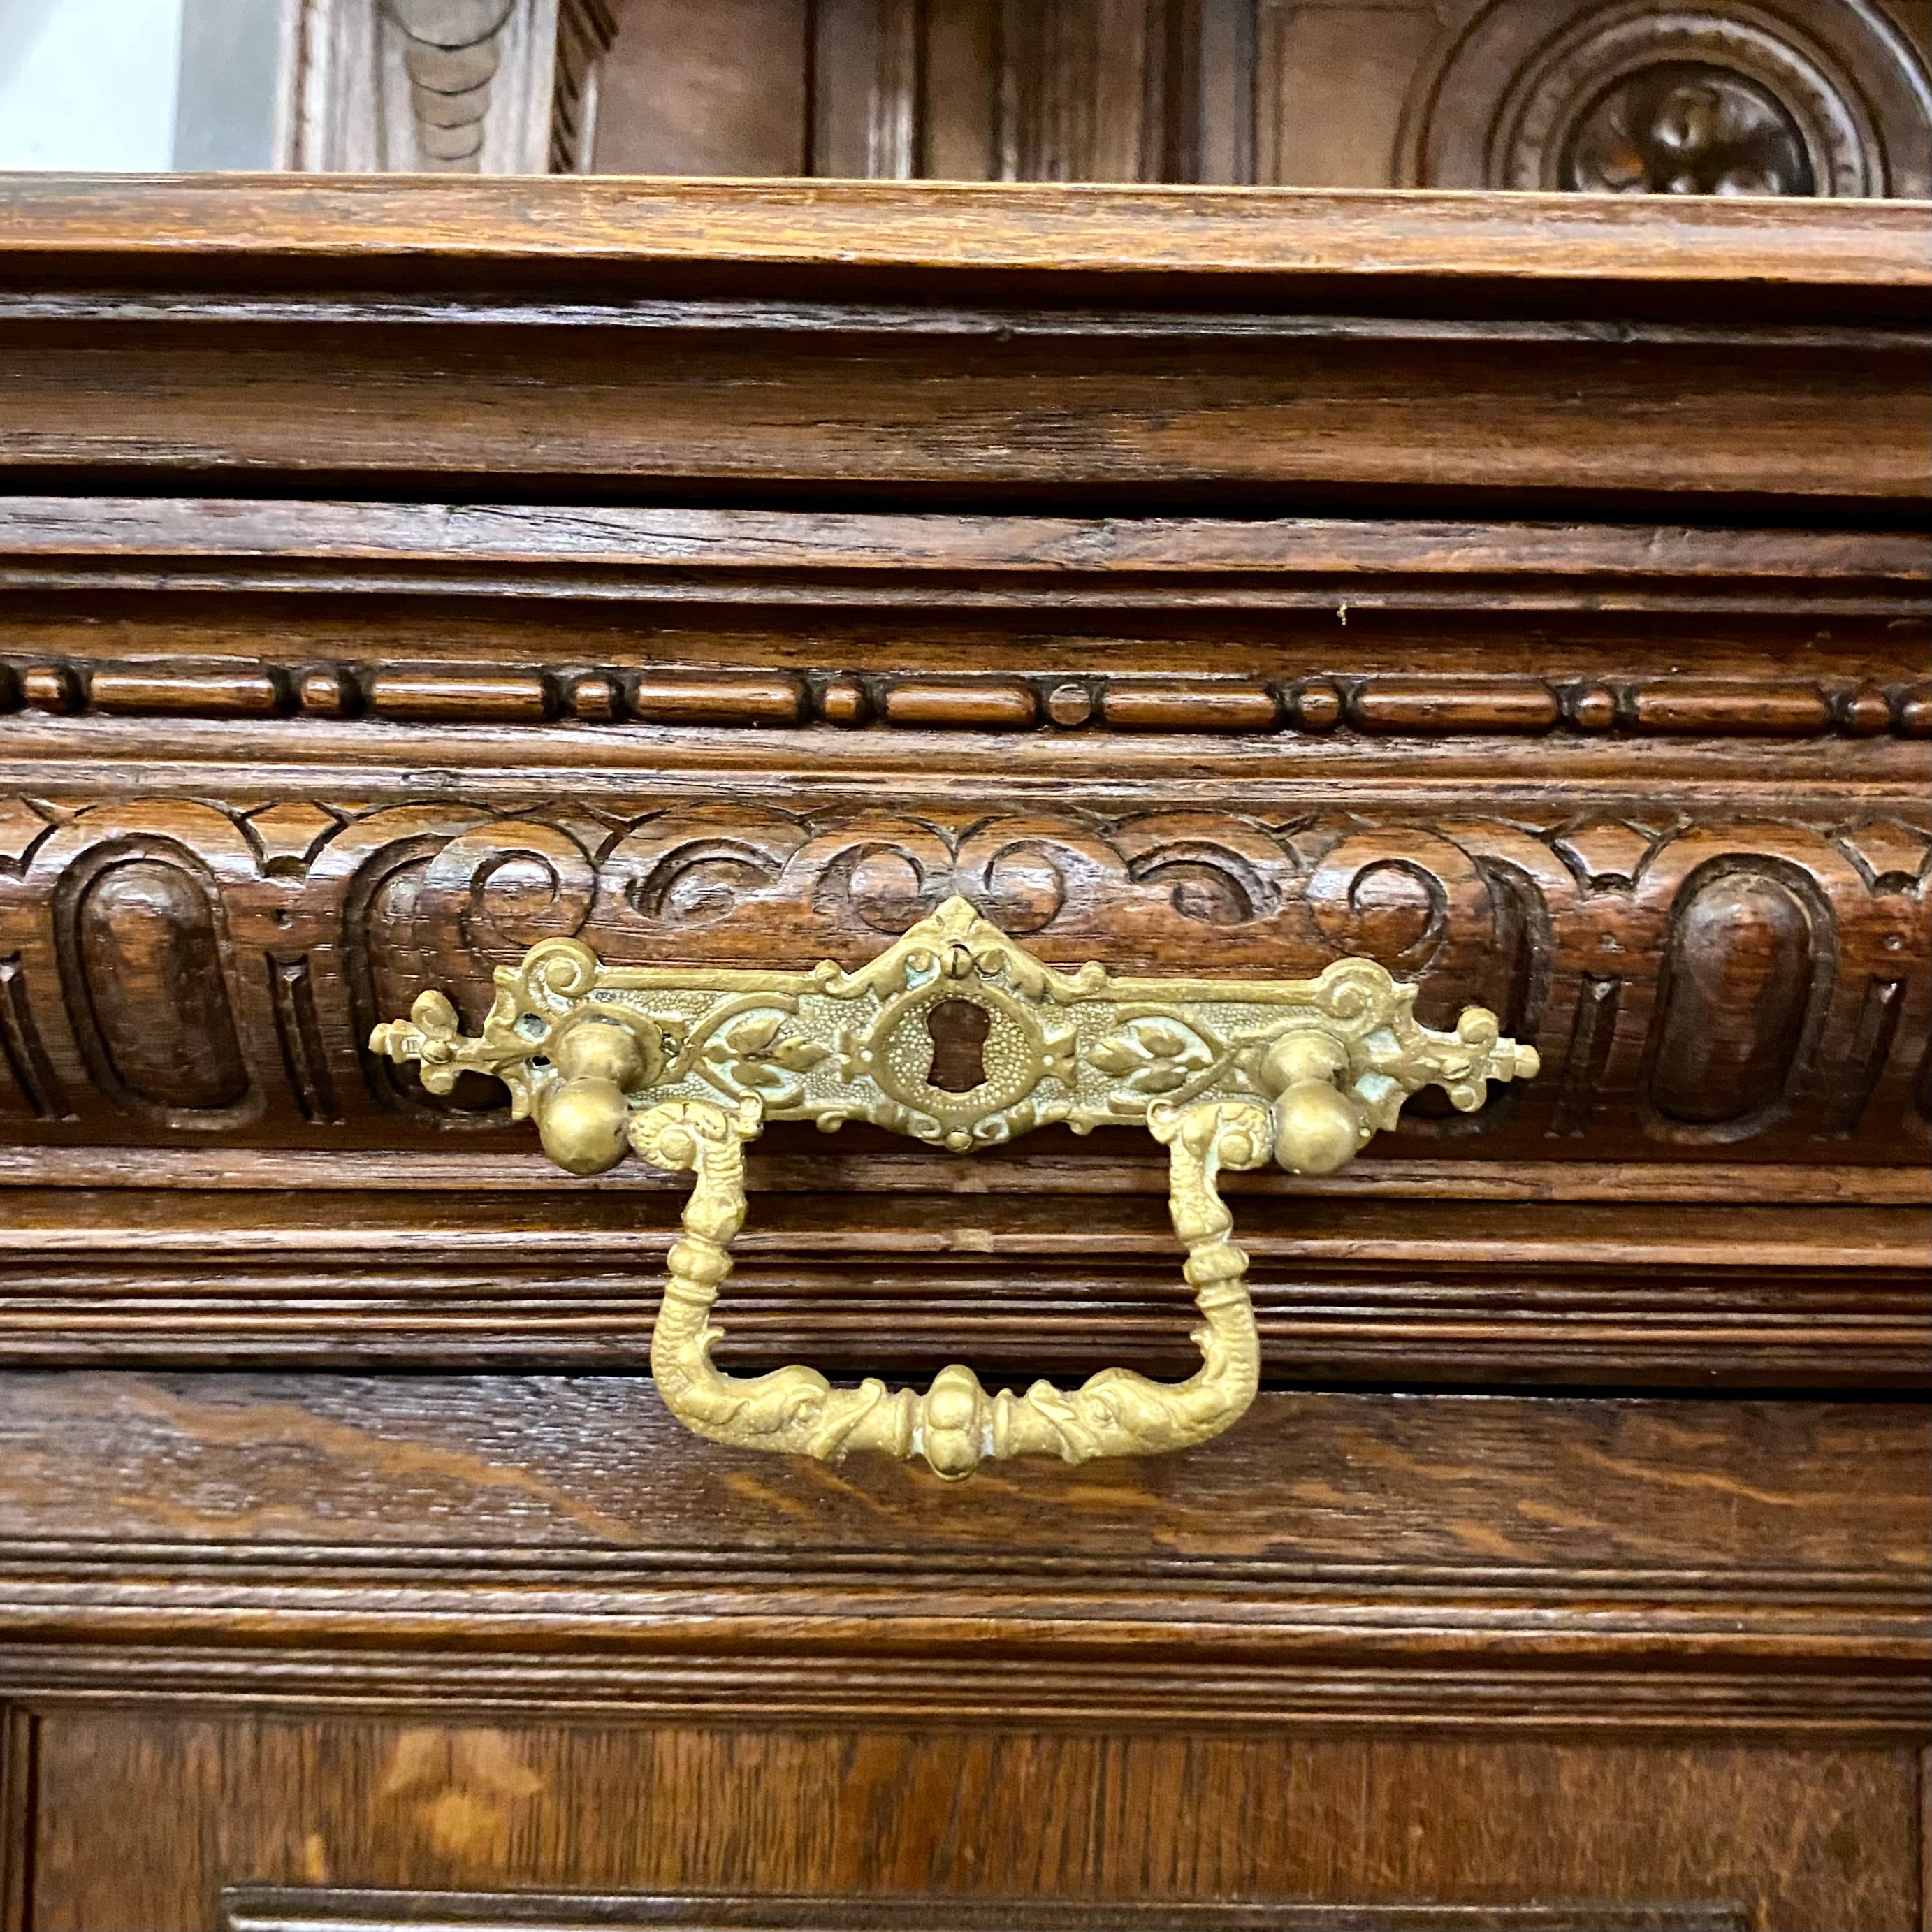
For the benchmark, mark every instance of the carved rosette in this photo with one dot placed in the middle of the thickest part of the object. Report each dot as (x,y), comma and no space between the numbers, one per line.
(1725,96)
(1686,128)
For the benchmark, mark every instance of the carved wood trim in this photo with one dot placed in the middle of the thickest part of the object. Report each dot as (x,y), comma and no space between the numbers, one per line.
(834,558)
(1518,706)
(269,940)
(1802,1704)
(1493,245)
(327,1264)
(1223,362)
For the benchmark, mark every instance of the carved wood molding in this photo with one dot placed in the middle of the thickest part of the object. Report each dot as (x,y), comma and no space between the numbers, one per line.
(1817,1700)
(494,693)
(1492,248)
(903,339)
(833,560)
(1693,983)
(328,1263)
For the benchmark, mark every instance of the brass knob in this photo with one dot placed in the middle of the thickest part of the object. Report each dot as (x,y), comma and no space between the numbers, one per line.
(585,1123)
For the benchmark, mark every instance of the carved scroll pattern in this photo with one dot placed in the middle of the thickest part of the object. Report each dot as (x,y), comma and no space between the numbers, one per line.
(1690,983)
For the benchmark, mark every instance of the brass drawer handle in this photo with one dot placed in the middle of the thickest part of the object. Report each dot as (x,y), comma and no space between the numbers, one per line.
(686,1065)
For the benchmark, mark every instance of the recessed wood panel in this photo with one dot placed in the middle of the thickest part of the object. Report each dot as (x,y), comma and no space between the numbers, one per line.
(145,1817)
(1742,956)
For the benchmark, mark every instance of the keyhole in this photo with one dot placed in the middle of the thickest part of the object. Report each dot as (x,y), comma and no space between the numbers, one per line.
(958,1029)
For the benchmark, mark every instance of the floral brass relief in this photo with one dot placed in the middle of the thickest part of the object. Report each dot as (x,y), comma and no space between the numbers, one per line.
(686,1065)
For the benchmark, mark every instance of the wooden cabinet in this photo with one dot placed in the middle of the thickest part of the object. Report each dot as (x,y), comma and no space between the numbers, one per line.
(1524,596)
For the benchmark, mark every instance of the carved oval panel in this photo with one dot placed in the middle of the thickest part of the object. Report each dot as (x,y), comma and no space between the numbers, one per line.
(151,960)
(1737,981)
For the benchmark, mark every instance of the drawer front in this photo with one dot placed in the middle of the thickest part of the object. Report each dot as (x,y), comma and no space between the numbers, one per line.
(1732,985)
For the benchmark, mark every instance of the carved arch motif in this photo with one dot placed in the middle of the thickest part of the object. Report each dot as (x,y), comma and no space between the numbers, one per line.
(1795,957)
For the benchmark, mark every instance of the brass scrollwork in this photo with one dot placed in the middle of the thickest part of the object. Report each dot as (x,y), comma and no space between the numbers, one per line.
(685,1067)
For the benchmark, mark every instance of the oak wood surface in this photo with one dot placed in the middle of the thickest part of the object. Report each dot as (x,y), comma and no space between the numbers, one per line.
(1768,243)
(681,338)
(1483,1483)
(1296,421)
(1514,1564)
(836,557)
(1056,1267)
(885,1811)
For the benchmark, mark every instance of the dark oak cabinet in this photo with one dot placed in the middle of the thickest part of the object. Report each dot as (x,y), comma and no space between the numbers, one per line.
(1525,595)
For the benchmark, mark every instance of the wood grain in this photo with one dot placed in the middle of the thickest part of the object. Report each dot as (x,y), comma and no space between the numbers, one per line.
(493,1544)
(1772,244)
(1488,1485)
(1425,562)
(927,1817)
(943,341)
(1297,417)
(1048,1267)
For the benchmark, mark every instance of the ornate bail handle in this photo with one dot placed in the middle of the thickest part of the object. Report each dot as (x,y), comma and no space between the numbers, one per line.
(685,1067)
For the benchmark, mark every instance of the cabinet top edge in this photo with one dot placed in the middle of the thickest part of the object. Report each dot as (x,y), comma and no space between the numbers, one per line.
(1240,235)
